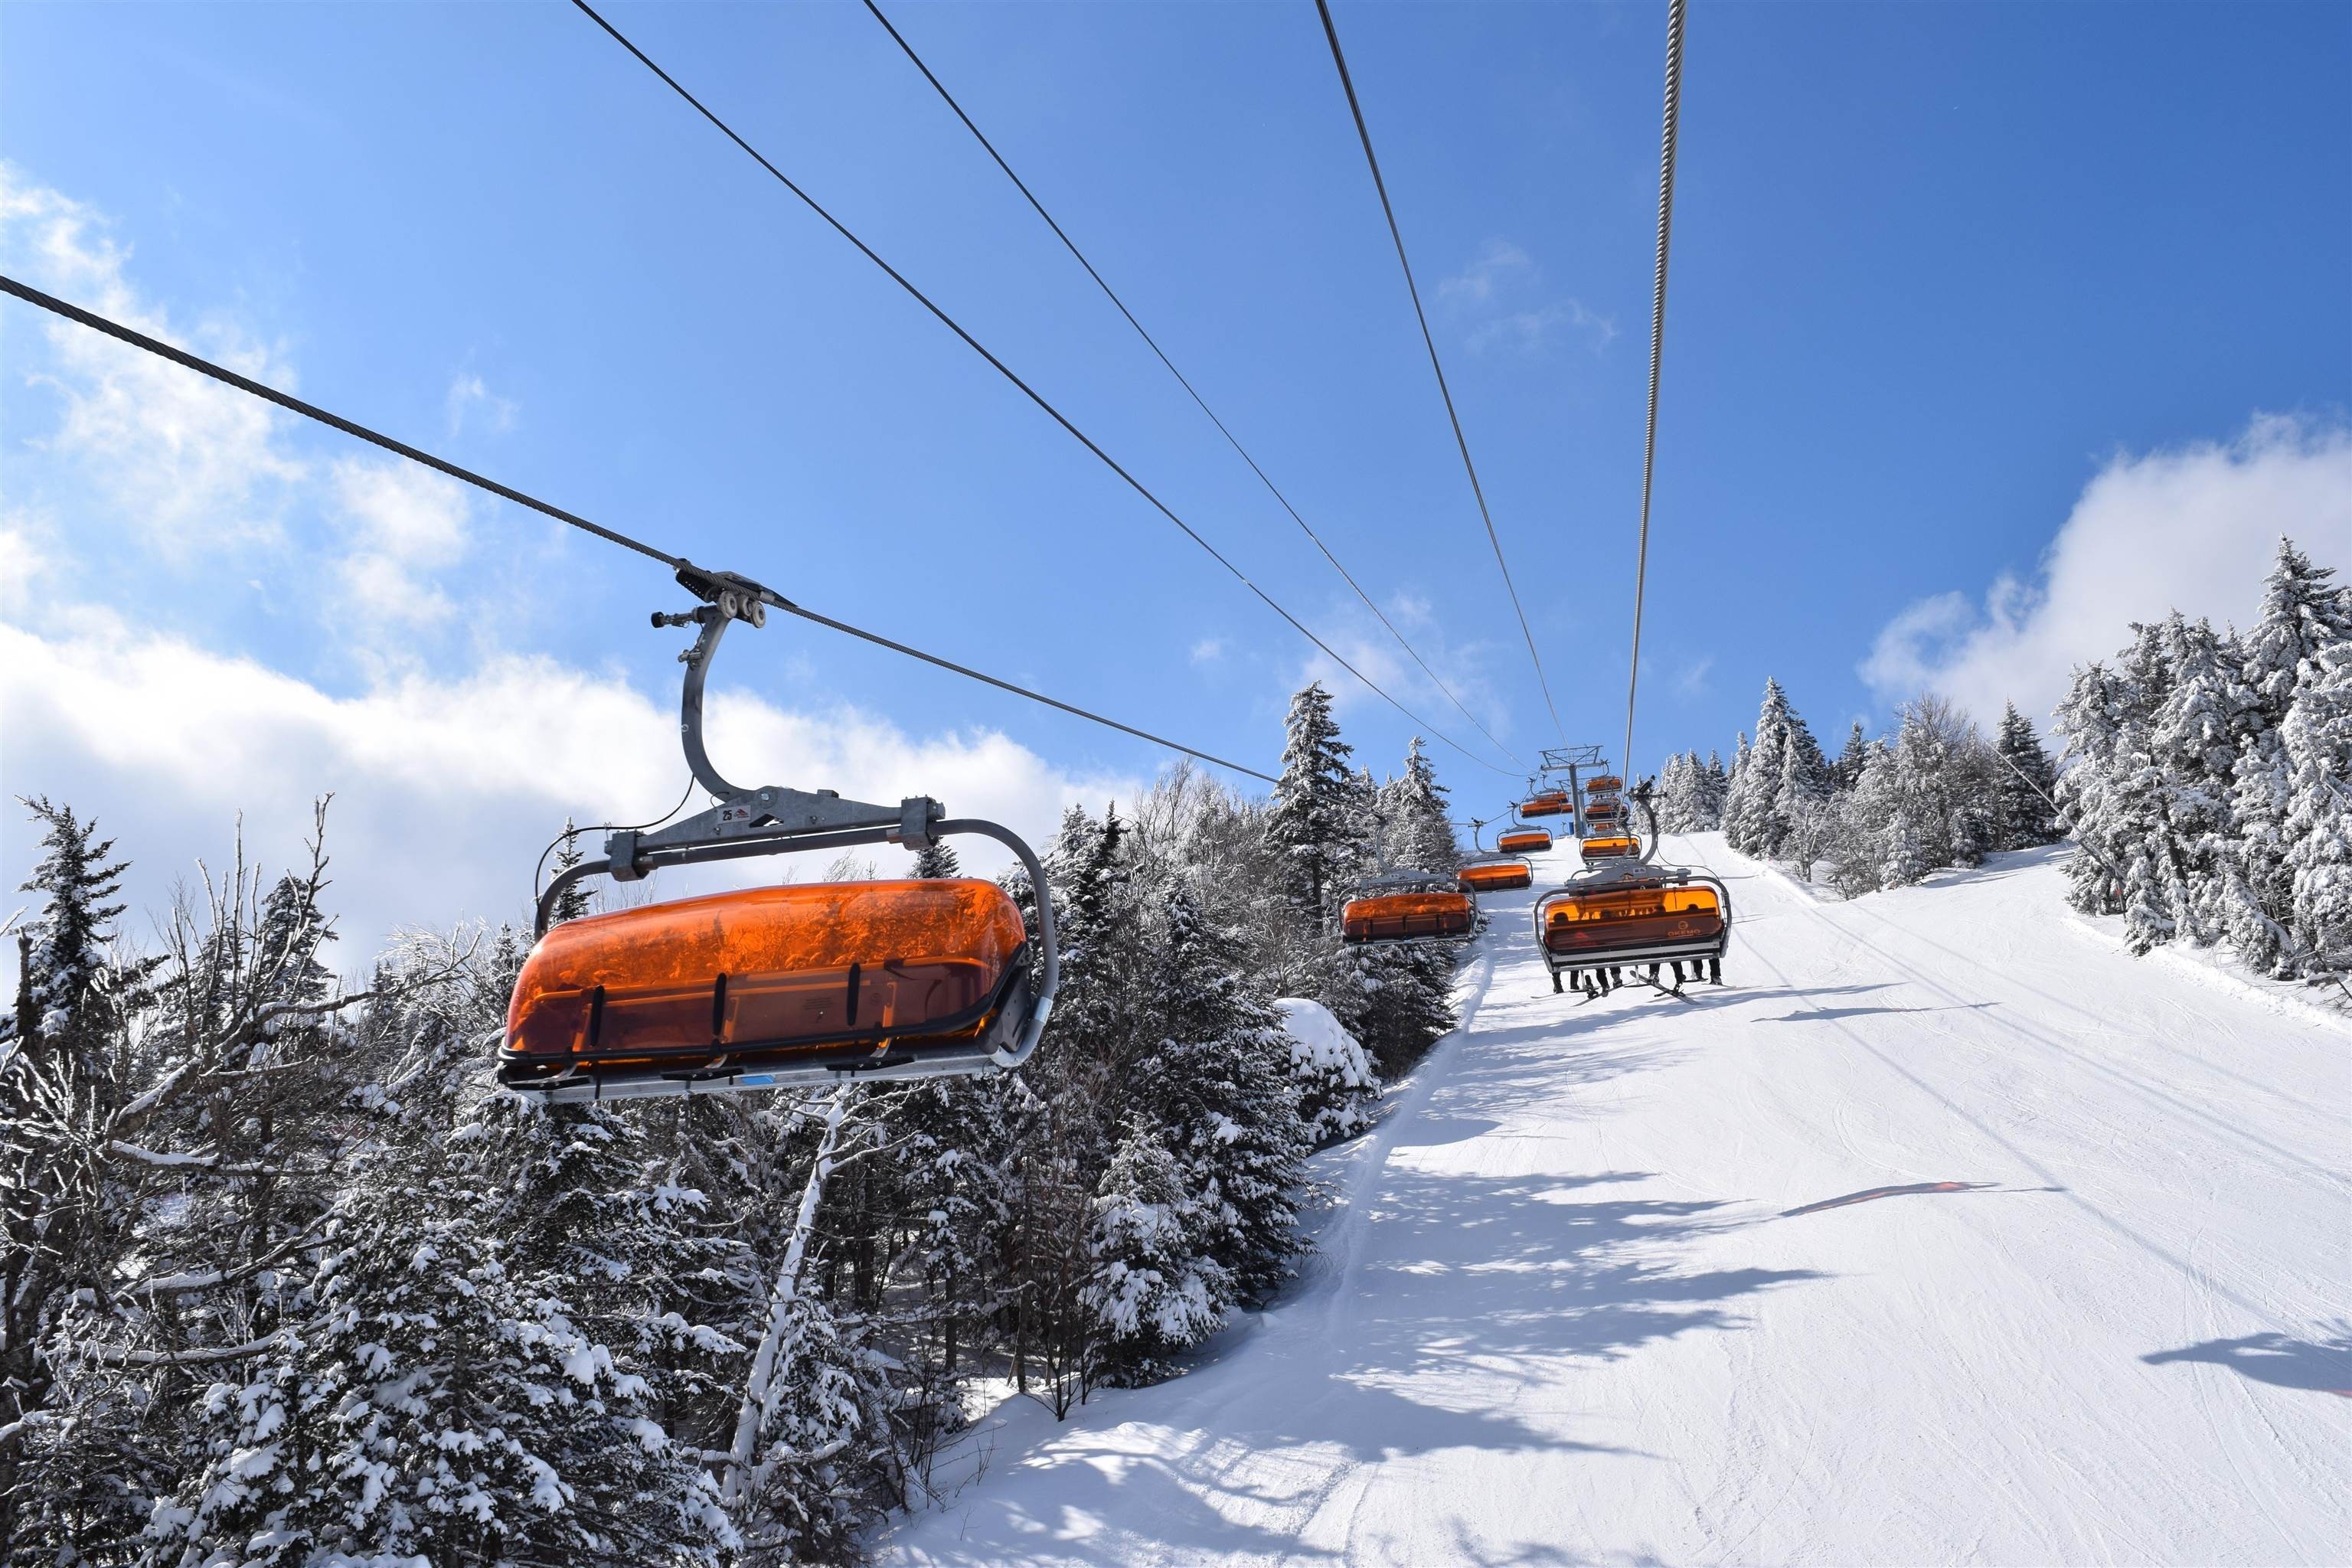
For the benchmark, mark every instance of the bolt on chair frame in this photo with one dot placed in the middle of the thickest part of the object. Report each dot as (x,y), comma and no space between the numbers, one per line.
(774,820)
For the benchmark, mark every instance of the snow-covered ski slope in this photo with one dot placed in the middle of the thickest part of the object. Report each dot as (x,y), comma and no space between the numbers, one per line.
(1610,1283)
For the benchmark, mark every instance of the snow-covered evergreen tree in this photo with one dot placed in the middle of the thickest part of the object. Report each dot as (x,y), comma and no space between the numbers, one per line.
(2026,787)
(2195,736)
(1420,835)
(429,1406)
(573,903)
(1337,1090)
(1846,772)
(1218,1081)
(1754,823)
(2316,742)
(2091,720)
(2303,614)
(937,861)
(1317,819)
(1151,1290)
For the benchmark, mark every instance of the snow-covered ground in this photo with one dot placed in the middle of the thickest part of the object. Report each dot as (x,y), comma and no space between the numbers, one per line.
(1945,1232)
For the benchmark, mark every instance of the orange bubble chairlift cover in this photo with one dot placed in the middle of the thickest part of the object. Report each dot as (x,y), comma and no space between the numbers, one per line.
(737,980)
(1615,847)
(1519,843)
(1389,917)
(1610,920)
(1603,784)
(1494,875)
(1551,802)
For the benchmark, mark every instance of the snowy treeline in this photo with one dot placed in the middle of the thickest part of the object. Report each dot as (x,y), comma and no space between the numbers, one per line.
(1690,793)
(1885,811)
(2207,779)
(2205,776)
(287,1281)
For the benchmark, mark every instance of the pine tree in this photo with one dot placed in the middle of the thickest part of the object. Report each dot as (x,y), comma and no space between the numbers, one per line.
(1805,782)
(62,1057)
(573,902)
(2092,719)
(1420,835)
(1755,824)
(1735,792)
(1316,821)
(2026,788)
(2303,616)
(1846,772)
(2195,738)
(1151,1290)
(937,861)
(2316,741)
(428,1405)
(1716,790)
(1217,1081)
(1337,1090)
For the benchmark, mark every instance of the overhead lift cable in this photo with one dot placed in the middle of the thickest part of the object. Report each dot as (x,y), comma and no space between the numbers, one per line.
(1007,372)
(139,340)
(1657,343)
(1182,380)
(1363,134)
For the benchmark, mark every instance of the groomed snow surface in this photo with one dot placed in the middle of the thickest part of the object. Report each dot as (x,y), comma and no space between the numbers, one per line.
(1945,1232)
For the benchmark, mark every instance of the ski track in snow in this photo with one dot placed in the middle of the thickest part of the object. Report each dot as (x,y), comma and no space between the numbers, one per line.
(1562,1313)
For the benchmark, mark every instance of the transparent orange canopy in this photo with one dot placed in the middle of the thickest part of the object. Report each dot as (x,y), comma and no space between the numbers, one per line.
(1521,842)
(1603,784)
(1615,848)
(765,972)
(1393,916)
(1550,804)
(1614,919)
(1494,875)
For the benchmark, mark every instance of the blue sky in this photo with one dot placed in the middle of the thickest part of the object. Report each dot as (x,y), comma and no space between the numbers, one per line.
(1940,273)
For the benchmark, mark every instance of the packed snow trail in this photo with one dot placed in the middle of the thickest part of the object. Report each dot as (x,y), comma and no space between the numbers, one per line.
(1945,1232)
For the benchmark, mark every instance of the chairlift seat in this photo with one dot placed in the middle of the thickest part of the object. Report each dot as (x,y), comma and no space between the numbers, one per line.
(1524,840)
(1407,916)
(1494,876)
(1644,921)
(1603,784)
(847,975)
(1612,847)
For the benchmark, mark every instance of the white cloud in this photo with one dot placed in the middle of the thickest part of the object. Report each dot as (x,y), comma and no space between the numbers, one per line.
(1496,266)
(1208,650)
(1491,295)
(192,463)
(1692,681)
(470,399)
(1527,330)
(2193,529)
(1370,648)
(408,520)
(445,789)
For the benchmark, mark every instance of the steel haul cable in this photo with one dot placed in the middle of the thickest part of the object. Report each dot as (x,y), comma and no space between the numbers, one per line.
(1657,345)
(156,346)
(1363,134)
(1005,370)
(1182,380)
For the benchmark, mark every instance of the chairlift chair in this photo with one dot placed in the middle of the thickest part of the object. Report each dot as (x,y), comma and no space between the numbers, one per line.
(1405,905)
(1603,784)
(1614,845)
(1524,840)
(1494,876)
(778,986)
(1628,912)
(1546,803)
